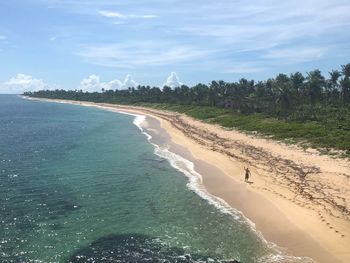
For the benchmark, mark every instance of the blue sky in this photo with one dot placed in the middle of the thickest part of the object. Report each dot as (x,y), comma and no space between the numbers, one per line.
(92,44)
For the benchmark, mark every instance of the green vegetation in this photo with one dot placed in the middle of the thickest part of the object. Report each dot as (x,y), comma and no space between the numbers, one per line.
(311,110)
(310,133)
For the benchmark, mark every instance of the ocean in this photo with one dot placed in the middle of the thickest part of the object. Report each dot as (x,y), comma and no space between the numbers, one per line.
(81,184)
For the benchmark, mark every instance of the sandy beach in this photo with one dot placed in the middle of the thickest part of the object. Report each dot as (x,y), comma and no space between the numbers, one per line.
(297,198)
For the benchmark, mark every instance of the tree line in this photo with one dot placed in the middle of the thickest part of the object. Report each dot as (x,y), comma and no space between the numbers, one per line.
(310,97)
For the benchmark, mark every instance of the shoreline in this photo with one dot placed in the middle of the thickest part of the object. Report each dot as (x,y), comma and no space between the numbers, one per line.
(315,228)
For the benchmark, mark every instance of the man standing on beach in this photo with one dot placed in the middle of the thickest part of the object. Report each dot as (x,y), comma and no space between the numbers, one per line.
(247,174)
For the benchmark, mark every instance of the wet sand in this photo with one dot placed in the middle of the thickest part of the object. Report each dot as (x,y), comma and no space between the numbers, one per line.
(298,199)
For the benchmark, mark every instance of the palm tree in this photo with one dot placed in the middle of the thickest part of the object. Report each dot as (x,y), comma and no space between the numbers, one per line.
(346,70)
(316,83)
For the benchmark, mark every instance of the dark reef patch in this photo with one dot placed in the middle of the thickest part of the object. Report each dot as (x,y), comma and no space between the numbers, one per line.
(134,248)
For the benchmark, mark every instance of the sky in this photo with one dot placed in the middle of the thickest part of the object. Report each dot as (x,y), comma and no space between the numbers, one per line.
(94,44)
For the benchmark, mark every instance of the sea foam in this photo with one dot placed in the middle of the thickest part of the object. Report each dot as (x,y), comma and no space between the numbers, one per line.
(186,167)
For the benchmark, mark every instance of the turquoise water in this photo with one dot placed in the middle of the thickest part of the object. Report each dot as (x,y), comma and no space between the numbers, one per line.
(81,184)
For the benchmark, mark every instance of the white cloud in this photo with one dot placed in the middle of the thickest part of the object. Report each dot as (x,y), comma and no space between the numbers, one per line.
(52,38)
(172,81)
(149,16)
(297,54)
(140,53)
(111,14)
(2,37)
(272,20)
(114,84)
(94,84)
(261,26)
(129,82)
(22,83)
